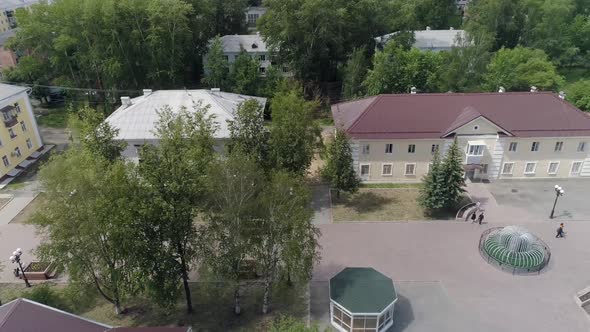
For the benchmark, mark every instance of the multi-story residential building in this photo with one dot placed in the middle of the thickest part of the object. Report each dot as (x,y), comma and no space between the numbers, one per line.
(428,40)
(4,23)
(19,135)
(253,13)
(136,118)
(8,58)
(502,135)
(253,45)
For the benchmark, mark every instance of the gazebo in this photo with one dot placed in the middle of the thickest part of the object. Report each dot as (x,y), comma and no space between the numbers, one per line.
(361,299)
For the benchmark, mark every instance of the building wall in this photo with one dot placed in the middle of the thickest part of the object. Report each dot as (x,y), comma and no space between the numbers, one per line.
(4,23)
(20,141)
(7,58)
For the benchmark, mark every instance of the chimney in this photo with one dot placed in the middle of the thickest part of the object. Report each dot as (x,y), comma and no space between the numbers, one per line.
(413,90)
(501,89)
(147,92)
(533,88)
(427,28)
(126,101)
(215,89)
(452,29)
(562,95)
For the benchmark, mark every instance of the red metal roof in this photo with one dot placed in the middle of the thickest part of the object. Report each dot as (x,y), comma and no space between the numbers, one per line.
(411,116)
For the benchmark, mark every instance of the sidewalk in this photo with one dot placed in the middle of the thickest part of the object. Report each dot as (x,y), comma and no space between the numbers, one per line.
(495,213)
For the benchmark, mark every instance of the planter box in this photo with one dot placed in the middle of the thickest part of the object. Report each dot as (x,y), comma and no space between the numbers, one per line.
(39,270)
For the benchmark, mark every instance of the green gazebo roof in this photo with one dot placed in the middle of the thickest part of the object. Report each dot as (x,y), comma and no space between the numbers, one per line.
(362,290)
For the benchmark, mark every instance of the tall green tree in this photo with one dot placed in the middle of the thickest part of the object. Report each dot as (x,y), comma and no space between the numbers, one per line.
(463,67)
(339,168)
(355,72)
(452,175)
(245,76)
(285,237)
(433,191)
(88,225)
(216,66)
(437,14)
(96,135)
(234,185)
(578,93)
(396,70)
(173,175)
(248,133)
(520,68)
(294,136)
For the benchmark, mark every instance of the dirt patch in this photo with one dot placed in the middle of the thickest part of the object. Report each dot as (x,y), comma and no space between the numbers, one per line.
(28,211)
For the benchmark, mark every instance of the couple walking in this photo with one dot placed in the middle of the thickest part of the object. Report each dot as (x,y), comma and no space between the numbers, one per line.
(477,218)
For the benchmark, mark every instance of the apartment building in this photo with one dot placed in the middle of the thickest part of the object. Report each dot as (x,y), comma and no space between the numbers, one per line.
(502,135)
(19,135)
(429,40)
(253,13)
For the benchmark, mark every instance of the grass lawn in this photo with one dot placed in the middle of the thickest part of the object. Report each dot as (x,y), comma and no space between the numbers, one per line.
(212,303)
(391,185)
(54,117)
(375,204)
(29,210)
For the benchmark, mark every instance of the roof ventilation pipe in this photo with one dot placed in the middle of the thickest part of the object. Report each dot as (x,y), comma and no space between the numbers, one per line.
(501,89)
(428,28)
(533,88)
(215,89)
(126,101)
(147,92)
(413,90)
(562,94)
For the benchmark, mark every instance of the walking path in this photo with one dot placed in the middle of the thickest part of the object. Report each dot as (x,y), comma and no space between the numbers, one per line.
(321,205)
(479,192)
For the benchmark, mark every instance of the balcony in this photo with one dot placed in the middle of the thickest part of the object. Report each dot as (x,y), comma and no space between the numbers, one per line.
(9,116)
(475,153)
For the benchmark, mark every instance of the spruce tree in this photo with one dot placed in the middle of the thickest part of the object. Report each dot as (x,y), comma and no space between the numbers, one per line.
(453,176)
(432,192)
(339,169)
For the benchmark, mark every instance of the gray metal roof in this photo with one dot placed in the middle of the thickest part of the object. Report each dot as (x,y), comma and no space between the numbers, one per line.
(248,43)
(7,91)
(430,39)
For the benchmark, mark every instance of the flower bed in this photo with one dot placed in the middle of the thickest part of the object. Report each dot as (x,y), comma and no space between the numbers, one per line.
(40,270)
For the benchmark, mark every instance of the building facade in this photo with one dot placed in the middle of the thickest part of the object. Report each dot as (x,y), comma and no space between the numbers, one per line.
(19,135)
(501,135)
(429,40)
(253,13)
(8,58)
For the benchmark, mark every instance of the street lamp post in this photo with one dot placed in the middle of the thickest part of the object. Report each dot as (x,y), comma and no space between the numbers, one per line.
(558,192)
(15,258)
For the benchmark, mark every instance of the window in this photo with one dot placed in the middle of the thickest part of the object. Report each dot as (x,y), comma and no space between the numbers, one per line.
(341,318)
(434,148)
(512,146)
(5,161)
(535,146)
(0,143)
(387,170)
(364,323)
(558,146)
(410,169)
(7,116)
(388,148)
(553,167)
(17,152)
(529,168)
(366,148)
(17,106)
(23,126)
(507,168)
(476,150)
(576,167)
(484,169)
(411,148)
(262,70)
(365,170)
(252,18)
(29,143)
(226,58)
(262,57)
(476,128)
(581,146)
(285,70)
(11,132)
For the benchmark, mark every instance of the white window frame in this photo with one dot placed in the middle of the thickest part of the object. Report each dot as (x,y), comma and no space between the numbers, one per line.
(476,149)
(366,148)
(581,147)
(511,168)
(534,168)
(386,164)
(581,162)
(512,144)
(388,145)
(406,169)
(558,146)
(537,144)
(556,168)
(411,148)
(361,170)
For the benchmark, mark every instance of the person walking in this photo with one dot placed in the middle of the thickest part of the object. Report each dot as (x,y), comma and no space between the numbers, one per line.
(480,218)
(560,231)
(473,217)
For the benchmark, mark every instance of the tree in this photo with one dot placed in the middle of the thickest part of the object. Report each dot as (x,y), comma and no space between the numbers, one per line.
(247,131)
(339,168)
(355,72)
(396,70)
(244,75)
(463,67)
(96,135)
(520,68)
(216,66)
(437,14)
(285,235)
(271,82)
(294,135)
(87,219)
(433,191)
(234,186)
(173,174)
(578,93)
(452,175)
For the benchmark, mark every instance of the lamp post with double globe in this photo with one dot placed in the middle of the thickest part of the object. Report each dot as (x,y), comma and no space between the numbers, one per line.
(558,192)
(15,258)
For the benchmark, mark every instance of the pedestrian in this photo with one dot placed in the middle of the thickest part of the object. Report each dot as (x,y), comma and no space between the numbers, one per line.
(473,217)
(480,218)
(560,231)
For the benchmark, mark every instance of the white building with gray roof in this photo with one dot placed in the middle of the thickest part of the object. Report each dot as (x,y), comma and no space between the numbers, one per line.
(429,40)
(136,118)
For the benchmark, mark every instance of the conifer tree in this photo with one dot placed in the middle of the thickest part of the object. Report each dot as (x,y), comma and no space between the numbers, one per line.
(453,176)
(432,194)
(339,169)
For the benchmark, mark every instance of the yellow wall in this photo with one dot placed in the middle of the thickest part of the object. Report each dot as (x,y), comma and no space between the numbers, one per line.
(4,25)
(8,144)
